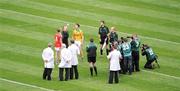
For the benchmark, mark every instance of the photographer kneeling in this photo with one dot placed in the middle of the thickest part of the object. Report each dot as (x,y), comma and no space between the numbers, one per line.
(150,56)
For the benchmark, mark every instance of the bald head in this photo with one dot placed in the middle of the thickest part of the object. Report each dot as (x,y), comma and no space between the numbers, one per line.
(49,44)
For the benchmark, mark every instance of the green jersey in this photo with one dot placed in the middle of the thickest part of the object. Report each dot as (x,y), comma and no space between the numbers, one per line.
(135,45)
(149,54)
(91,50)
(113,37)
(126,49)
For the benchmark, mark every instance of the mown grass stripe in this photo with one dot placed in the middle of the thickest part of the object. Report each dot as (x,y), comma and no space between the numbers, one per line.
(130,9)
(167,3)
(54,22)
(142,80)
(178,78)
(110,12)
(20,67)
(16,31)
(139,4)
(113,20)
(36,52)
(81,20)
(21,58)
(25,84)
(44,37)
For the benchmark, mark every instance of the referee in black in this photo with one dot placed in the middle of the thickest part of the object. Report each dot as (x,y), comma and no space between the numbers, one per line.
(65,35)
(91,55)
(103,35)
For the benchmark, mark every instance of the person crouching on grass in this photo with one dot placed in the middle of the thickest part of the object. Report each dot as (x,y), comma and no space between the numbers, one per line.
(114,57)
(73,48)
(91,55)
(48,58)
(65,63)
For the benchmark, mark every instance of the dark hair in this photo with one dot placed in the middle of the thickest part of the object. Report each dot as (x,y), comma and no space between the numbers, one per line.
(58,30)
(78,24)
(72,41)
(102,21)
(91,40)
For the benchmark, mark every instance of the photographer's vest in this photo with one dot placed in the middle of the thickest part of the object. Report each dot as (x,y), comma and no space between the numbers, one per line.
(150,54)
(126,49)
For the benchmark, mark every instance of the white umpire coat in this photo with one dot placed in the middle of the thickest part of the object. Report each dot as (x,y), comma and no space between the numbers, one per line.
(114,58)
(65,58)
(48,55)
(74,49)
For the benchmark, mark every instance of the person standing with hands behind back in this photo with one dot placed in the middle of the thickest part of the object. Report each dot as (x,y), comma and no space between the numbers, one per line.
(65,63)
(73,48)
(48,58)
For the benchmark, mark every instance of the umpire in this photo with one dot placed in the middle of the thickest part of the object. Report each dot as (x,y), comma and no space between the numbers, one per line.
(48,58)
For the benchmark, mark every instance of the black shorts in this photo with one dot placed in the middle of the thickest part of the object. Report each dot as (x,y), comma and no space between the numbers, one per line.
(102,41)
(92,59)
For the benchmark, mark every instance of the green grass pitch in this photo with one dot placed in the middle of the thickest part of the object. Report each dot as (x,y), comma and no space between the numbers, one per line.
(26,26)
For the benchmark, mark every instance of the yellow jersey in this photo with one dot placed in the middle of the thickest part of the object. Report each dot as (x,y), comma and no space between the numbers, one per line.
(78,35)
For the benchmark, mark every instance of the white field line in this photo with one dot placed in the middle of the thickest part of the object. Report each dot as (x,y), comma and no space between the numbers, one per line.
(24,84)
(52,19)
(169,76)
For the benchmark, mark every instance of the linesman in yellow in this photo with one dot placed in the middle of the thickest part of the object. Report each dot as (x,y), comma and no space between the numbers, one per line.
(78,37)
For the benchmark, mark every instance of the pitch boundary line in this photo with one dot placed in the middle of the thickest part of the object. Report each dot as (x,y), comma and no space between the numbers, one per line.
(53,19)
(25,84)
(175,77)
(97,27)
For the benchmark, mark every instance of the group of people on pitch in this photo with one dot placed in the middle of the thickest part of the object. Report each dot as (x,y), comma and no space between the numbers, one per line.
(123,53)
(66,55)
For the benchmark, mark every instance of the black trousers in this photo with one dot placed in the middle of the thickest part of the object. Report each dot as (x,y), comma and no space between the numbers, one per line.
(128,64)
(148,64)
(135,61)
(61,74)
(113,75)
(123,71)
(66,43)
(47,73)
(74,70)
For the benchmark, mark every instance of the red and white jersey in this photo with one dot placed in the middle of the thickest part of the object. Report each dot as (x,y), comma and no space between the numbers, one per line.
(58,40)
